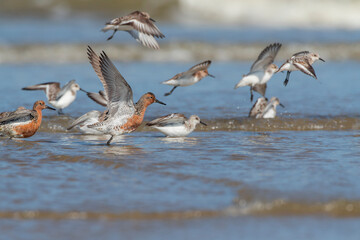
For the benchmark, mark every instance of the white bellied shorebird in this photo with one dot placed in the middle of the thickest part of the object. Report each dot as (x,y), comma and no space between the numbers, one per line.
(175,124)
(300,61)
(264,109)
(190,77)
(140,26)
(59,98)
(261,71)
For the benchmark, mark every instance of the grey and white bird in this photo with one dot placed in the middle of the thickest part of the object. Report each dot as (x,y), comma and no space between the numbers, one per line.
(58,97)
(269,111)
(261,71)
(88,119)
(139,25)
(189,77)
(99,97)
(175,124)
(258,107)
(300,61)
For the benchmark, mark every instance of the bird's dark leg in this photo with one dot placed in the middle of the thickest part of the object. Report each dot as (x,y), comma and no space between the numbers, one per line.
(109,141)
(112,35)
(251,94)
(287,78)
(60,112)
(167,94)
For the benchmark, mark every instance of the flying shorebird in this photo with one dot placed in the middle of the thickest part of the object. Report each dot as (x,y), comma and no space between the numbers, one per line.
(122,115)
(58,97)
(261,71)
(23,123)
(190,77)
(175,124)
(300,61)
(139,25)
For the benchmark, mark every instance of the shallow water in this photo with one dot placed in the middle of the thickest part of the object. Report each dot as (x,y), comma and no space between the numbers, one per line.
(293,177)
(301,168)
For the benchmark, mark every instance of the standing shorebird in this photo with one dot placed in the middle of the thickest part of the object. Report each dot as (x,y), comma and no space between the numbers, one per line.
(23,123)
(190,77)
(88,119)
(140,26)
(264,109)
(300,61)
(175,124)
(261,71)
(258,107)
(7,114)
(122,115)
(91,117)
(58,97)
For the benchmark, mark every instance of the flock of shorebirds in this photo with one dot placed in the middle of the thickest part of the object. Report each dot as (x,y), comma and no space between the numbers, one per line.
(122,115)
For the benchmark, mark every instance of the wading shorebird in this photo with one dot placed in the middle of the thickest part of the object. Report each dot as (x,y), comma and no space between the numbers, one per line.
(265,109)
(7,114)
(190,77)
(122,115)
(140,26)
(59,98)
(88,119)
(91,117)
(175,124)
(23,123)
(258,107)
(261,71)
(300,61)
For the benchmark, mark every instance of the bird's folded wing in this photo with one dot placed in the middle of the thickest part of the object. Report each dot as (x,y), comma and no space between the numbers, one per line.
(171,119)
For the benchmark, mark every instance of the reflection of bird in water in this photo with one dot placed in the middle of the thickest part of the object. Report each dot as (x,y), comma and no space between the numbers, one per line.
(139,25)
(265,109)
(175,124)
(125,148)
(300,61)
(261,71)
(186,141)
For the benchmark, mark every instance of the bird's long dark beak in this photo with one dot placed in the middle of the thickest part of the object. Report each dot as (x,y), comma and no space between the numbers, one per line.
(46,106)
(83,90)
(210,75)
(281,105)
(321,59)
(152,19)
(203,123)
(157,101)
